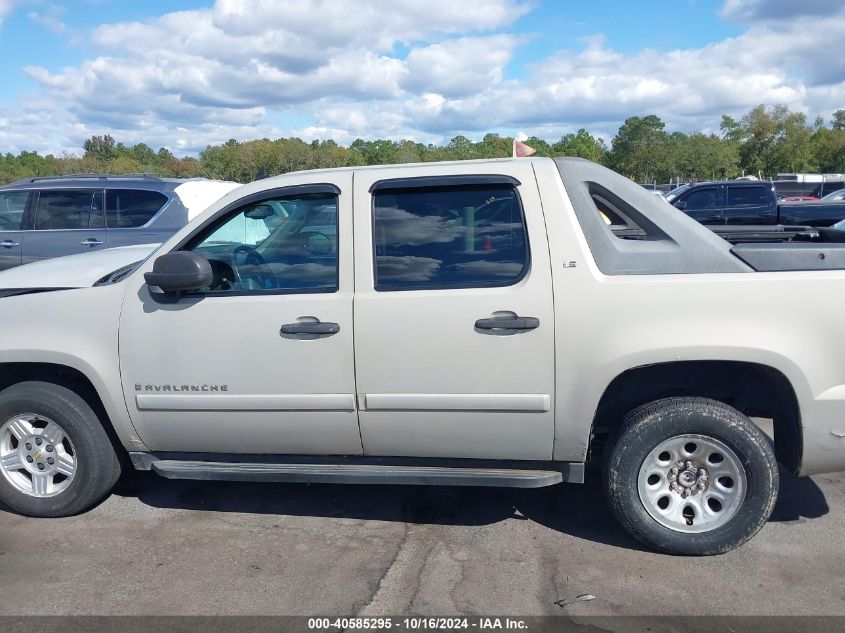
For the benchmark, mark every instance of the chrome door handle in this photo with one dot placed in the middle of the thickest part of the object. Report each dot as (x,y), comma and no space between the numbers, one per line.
(91,242)
(9,244)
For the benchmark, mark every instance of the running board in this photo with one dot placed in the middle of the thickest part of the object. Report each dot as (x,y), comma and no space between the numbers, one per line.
(359,474)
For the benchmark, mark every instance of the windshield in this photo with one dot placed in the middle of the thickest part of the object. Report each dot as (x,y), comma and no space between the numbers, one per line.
(836,195)
(671,195)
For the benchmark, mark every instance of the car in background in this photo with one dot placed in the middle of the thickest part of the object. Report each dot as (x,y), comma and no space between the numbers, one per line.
(818,213)
(109,265)
(751,202)
(49,217)
(836,196)
(727,202)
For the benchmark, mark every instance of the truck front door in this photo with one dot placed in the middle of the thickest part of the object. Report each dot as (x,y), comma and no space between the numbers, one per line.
(704,204)
(260,361)
(454,323)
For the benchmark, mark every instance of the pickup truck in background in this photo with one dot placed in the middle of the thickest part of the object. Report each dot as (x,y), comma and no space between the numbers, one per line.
(751,202)
(478,323)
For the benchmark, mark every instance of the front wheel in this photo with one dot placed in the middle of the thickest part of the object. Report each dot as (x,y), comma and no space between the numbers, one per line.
(55,456)
(691,476)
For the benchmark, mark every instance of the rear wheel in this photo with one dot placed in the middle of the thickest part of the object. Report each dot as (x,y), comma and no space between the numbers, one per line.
(55,457)
(691,476)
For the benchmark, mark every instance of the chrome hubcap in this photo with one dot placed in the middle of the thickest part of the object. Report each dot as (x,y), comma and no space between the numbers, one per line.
(36,455)
(692,483)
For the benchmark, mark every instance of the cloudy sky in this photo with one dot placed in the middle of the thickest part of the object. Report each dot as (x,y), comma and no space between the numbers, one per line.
(186,73)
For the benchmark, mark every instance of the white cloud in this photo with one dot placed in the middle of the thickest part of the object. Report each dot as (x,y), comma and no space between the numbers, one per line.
(420,69)
(50,22)
(459,67)
(50,17)
(7,6)
(771,10)
(232,62)
(786,63)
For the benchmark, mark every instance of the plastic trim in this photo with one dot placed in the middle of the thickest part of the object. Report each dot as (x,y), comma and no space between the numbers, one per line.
(443,181)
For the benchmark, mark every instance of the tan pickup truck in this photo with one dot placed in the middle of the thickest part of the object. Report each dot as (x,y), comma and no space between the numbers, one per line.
(490,323)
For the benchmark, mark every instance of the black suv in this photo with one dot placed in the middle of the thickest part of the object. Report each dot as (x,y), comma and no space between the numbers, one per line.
(728,202)
(49,217)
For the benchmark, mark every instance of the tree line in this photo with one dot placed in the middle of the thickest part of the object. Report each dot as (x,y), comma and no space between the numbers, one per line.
(763,142)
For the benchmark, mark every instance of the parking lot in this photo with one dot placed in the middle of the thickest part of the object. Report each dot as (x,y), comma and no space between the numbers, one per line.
(182,547)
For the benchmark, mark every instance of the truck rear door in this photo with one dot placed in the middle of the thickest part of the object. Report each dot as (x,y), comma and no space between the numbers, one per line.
(750,204)
(453,313)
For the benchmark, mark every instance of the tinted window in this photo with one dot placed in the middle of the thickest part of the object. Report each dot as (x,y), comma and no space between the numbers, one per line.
(453,237)
(747,196)
(128,208)
(702,199)
(65,209)
(12,207)
(277,245)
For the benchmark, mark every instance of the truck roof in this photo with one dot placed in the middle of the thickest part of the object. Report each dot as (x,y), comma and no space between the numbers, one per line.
(732,183)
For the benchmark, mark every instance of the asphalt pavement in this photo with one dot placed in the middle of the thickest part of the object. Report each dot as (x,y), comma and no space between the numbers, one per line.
(182,547)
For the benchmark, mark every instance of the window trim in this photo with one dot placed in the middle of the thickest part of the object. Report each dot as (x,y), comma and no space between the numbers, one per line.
(241,203)
(443,182)
(420,182)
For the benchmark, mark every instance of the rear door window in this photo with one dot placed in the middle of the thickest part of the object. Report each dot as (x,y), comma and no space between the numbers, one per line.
(459,236)
(747,197)
(65,209)
(12,208)
(130,208)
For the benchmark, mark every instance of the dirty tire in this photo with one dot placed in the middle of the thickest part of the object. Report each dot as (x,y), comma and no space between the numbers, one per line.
(97,463)
(650,425)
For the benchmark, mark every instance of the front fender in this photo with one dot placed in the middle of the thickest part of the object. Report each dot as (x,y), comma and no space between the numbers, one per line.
(76,329)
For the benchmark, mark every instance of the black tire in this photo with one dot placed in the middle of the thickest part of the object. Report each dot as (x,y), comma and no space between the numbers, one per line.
(648,426)
(97,463)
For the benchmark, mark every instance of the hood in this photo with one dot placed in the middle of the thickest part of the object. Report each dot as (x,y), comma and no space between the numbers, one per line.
(73,271)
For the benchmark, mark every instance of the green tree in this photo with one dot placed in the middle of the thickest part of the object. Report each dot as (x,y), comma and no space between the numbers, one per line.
(773,140)
(100,148)
(495,146)
(581,144)
(639,149)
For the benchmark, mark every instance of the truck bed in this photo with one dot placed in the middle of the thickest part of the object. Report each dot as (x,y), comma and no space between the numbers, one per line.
(771,248)
(783,248)
(784,256)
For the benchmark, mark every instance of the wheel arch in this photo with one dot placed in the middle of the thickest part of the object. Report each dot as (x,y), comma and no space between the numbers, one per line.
(755,389)
(12,373)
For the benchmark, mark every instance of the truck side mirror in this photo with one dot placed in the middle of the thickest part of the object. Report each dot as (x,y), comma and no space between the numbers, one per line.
(180,271)
(680,204)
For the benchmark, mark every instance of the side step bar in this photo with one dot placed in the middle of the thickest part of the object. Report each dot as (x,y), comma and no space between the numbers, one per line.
(365,474)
